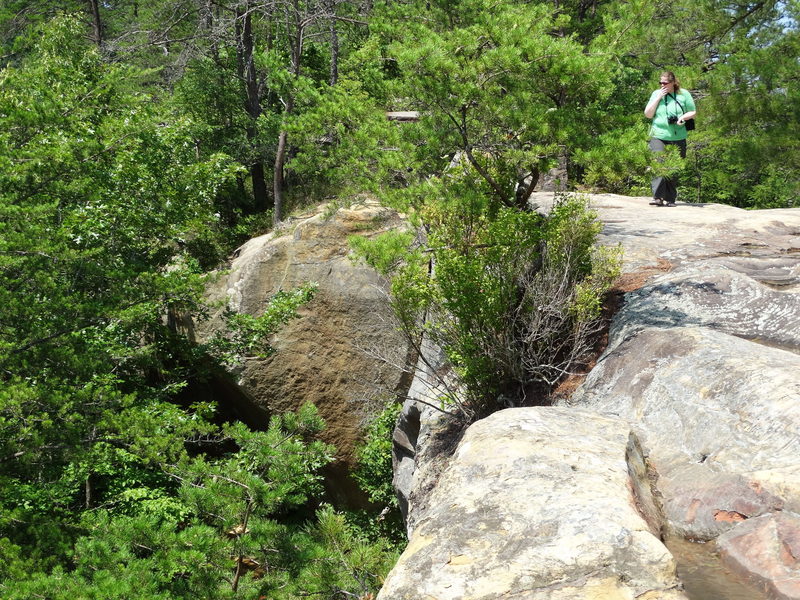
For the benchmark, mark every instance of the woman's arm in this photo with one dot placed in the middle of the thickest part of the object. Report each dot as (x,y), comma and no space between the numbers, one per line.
(688,102)
(650,109)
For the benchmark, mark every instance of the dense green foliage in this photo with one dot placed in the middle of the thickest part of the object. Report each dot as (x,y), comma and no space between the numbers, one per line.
(211,528)
(110,486)
(496,87)
(511,297)
(374,475)
(289,90)
(374,472)
(141,142)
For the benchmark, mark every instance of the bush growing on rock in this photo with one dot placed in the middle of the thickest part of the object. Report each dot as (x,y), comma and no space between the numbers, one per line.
(374,472)
(511,297)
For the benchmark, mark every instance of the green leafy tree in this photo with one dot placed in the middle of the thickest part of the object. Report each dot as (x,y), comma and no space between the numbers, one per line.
(109,488)
(263,65)
(750,156)
(511,299)
(497,88)
(97,197)
(374,472)
(509,295)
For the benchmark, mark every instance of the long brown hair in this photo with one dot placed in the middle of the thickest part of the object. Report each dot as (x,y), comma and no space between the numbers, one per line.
(672,79)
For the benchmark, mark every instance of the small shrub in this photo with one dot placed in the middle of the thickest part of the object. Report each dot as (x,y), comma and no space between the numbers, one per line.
(374,470)
(511,297)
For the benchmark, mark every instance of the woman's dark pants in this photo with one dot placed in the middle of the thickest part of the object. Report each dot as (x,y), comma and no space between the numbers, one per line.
(664,187)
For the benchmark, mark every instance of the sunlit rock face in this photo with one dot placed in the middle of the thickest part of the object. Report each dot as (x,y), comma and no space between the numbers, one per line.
(538,503)
(703,361)
(700,381)
(718,416)
(344,350)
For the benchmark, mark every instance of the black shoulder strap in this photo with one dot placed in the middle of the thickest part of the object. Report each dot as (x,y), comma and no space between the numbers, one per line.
(675,97)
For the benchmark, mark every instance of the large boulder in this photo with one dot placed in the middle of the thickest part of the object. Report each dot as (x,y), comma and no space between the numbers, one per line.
(718,417)
(539,504)
(713,297)
(344,352)
(703,362)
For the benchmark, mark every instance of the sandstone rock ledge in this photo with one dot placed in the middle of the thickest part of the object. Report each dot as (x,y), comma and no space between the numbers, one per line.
(538,504)
(703,361)
(702,368)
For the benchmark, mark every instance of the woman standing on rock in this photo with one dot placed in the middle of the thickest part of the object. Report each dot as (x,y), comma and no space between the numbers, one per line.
(669,107)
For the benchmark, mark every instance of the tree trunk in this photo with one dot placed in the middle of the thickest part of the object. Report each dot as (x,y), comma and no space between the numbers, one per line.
(280,155)
(240,557)
(208,23)
(97,25)
(525,187)
(277,178)
(88,492)
(260,194)
(251,82)
(334,71)
(247,71)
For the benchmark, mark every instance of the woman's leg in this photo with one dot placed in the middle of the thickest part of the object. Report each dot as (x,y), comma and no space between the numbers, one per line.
(669,191)
(671,187)
(657,184)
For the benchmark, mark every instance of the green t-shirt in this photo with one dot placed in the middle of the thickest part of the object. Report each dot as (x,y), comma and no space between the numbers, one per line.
(668,106)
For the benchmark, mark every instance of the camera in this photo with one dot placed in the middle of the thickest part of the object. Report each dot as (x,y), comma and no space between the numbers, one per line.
(672,119)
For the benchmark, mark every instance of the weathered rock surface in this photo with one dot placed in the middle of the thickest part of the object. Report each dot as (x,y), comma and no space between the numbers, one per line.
(767,549)
(713,297)
(704,362)
(714,414)
(335,355)
(538,503)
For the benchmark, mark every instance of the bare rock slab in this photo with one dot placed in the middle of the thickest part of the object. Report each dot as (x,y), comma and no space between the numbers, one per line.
(701,503)
(424,437)
(767,549)
(718,417)
(761,243)
(539,504)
